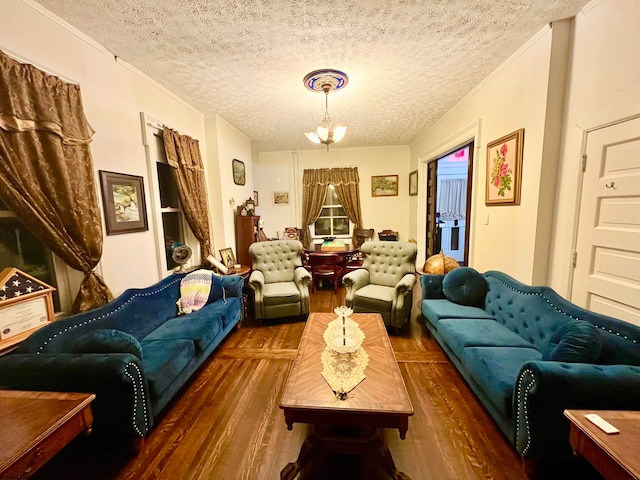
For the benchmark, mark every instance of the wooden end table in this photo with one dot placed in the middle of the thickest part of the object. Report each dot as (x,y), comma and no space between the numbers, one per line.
(615,456)
(350,425)
(34,426)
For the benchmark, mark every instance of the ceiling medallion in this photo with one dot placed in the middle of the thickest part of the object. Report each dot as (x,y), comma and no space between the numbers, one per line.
(325,81)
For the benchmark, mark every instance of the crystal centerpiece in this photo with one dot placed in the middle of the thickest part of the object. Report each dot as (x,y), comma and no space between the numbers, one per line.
(343,335)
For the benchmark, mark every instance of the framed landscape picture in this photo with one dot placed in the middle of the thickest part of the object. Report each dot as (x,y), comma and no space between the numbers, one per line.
(413,183)
(384,185)
(281,198)
(238,172)
(123,202)
(504,169)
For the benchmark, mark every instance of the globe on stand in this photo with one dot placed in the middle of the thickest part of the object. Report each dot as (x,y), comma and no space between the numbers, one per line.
(439,264)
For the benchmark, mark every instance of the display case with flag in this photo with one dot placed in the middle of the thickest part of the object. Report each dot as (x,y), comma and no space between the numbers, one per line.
(26,304)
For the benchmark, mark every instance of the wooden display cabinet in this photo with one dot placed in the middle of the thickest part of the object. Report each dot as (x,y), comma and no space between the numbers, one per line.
(247,229)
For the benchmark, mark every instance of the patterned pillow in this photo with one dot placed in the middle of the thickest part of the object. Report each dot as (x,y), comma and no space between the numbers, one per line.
(107,340)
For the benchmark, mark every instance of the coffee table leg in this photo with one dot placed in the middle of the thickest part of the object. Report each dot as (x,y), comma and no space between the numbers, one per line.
(386,460)
(292,469)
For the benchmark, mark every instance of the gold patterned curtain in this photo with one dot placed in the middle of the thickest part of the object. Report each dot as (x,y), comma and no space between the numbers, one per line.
(183,154)
(46,172)
(347,184)
(314,190)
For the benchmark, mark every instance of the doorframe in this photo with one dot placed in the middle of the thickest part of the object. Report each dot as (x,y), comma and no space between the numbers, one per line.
(613,118)
(470,133)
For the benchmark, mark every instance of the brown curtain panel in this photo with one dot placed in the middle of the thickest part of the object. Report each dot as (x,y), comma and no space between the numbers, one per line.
(46,172)
(183,154)
(347,184)
(314,190)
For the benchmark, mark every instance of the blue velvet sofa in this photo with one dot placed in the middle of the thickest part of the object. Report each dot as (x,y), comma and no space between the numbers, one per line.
(528,354)
(134,353)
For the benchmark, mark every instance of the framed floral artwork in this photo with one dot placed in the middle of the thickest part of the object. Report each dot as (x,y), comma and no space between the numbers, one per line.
(504,169)
(384,185)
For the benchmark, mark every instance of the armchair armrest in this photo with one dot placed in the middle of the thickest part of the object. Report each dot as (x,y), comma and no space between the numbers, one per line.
(354,281)
(301,276)
(122,404)
(545,389)
(406,284)
(256,282)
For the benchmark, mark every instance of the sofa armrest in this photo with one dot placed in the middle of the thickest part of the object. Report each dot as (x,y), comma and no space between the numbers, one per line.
(545,389)
(232,285)
(354,281)
(122,405)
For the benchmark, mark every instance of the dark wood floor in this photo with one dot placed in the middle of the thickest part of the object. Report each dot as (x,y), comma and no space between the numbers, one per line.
(226,423)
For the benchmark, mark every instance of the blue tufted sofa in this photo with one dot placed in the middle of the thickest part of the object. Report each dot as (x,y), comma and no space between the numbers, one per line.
(528,354)
(134,353)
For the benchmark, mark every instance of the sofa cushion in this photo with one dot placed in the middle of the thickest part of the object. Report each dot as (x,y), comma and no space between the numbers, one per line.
(230,312)
(435,310)
(465,286)
(496,369)
(201,327)
(576,341)
(432,286)
(460,333)
(107,340)
(281,292)
(378,298)
(164,360)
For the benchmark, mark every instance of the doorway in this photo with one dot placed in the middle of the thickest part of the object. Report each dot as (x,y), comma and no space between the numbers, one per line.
(449,180)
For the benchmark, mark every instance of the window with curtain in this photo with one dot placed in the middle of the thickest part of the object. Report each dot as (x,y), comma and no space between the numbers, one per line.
(333,219)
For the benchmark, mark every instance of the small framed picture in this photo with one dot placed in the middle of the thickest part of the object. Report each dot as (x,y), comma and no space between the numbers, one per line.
(255,198)
(227,256)
(238,172)
(413,183)
(384,186)
(123,202)
(504,169)
(281,198)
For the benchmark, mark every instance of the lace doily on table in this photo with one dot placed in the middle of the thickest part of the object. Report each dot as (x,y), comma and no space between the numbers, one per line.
(344,371)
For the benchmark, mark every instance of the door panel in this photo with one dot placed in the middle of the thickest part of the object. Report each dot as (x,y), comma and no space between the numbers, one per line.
(607,274)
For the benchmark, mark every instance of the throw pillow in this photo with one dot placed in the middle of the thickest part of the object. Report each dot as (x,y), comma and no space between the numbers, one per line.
(465,286)
(577,342)
(107,340)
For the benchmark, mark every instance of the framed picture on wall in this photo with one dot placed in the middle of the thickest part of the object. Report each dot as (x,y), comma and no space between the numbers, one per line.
(413,183)
(384,186)
(504,169)
(238,172)
(281,198)
(255,198)
(123,202)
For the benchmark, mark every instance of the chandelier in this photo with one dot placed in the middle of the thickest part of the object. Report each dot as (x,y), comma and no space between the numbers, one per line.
(325,81)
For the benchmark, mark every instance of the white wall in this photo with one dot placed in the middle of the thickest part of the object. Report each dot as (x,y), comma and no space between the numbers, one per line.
(512,97)
(604,87)
(282,171)
(113,96)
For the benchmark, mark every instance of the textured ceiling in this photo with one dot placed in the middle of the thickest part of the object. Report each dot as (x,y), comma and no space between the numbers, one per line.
(408,61)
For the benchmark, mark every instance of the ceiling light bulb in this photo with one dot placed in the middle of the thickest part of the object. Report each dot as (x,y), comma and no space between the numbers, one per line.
(338,133)
(313,136)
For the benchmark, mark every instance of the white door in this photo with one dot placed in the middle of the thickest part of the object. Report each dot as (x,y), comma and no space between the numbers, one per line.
(607,274)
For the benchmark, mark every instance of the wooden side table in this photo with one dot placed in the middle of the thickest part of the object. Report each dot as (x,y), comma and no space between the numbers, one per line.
(34,426)
(615,456)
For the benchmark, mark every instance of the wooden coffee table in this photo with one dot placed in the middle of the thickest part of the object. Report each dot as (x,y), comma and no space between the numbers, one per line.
(349,425)
(34,426)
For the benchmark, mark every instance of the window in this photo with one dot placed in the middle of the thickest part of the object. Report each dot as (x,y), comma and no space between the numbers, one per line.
(20,249)
(173,223)
(333,220)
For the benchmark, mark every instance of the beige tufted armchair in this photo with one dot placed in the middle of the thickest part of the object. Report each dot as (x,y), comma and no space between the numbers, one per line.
(385,282)
(279,281)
